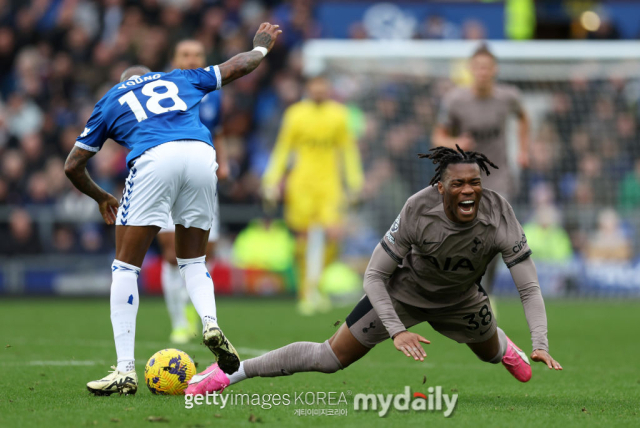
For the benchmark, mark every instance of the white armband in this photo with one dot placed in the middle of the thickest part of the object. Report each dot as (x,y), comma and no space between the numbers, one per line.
(262,50)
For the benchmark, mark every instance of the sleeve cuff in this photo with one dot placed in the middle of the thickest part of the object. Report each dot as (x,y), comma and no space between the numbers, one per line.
(216,70)
(86,147)
(519,259)
(391,254)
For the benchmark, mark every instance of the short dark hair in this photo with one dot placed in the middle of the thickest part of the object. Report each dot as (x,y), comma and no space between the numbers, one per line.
(444,156)
(134,70)
(174,51)
(483,49)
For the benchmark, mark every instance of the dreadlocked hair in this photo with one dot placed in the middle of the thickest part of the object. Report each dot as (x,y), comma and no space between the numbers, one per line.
(445,156)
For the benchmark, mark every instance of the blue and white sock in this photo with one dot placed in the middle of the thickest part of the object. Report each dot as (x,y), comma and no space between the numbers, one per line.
(124,308)
(200,288)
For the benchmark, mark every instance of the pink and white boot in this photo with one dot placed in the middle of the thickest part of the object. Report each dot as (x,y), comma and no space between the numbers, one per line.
(517,362)
(210,380)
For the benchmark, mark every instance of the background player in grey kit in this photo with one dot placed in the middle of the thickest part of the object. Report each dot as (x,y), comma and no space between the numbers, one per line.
(427,268)
(475,118)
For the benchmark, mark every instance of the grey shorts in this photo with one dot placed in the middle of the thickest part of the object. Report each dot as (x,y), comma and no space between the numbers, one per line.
(470,321)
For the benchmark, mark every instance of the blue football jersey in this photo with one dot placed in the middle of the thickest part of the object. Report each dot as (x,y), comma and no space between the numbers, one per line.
(150,110)
(211,111)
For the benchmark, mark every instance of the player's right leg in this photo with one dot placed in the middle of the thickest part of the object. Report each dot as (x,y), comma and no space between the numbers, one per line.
(132,243)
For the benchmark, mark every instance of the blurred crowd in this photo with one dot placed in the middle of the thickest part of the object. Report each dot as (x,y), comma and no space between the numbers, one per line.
(57,57)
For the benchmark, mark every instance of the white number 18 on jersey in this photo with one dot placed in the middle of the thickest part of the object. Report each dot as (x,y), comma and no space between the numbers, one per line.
(153,103)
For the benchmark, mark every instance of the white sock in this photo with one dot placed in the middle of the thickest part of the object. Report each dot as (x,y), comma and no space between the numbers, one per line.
(124,308)
(175,295)
(237,376)
(200,288)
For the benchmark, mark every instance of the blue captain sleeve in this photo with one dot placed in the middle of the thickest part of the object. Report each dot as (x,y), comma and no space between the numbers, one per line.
(204,79)
(95,132)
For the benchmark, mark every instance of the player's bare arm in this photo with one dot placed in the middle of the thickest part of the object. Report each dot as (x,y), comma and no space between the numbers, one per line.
(244,63)
(75,169)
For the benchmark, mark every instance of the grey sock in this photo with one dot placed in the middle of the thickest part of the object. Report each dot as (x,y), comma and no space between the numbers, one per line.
(502,337)
(294,358)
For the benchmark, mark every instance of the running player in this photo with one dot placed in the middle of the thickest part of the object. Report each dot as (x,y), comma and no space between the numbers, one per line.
(316,131)
(427,268)
(189,54)
(172,170)
(476,119)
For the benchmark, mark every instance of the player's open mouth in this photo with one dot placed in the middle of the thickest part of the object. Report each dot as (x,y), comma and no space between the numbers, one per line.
(467,206)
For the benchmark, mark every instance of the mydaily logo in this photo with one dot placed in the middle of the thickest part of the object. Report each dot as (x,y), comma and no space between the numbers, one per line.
(417,401)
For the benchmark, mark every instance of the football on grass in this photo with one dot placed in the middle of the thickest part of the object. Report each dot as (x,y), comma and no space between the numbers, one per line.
(169,371)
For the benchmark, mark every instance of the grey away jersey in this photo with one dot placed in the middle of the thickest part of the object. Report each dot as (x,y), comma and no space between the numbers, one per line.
(442,262)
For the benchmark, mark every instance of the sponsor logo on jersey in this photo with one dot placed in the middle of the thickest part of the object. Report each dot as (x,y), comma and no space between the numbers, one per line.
(450,264)
(520,244)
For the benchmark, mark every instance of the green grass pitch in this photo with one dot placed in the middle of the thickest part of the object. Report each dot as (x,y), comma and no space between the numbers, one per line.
(50,348)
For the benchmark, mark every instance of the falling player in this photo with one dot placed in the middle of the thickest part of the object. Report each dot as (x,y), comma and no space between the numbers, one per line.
(316,131)
(427,268)
(172,170)
(189,54)
(476,119)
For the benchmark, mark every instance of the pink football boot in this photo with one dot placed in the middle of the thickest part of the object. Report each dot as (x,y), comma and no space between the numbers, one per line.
(517,362)
(210,380)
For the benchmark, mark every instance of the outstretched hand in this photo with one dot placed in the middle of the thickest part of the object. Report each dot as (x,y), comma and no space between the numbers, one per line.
(544,357)
(409,344)
(266,36)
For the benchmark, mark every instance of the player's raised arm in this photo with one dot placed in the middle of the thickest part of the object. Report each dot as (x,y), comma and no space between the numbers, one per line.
(246,62)
(76,170)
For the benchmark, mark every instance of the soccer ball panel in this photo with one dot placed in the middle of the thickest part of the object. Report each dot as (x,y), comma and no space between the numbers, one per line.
(169,371)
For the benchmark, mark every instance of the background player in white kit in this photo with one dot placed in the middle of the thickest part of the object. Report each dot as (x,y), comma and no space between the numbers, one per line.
(172,169)
(190,54)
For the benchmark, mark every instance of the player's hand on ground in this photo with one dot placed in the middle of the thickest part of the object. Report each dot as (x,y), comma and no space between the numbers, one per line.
(109,208)
(409,344)
(266,35)
(544,357)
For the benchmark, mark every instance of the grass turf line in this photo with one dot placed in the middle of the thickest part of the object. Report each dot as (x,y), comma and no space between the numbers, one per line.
(593,340)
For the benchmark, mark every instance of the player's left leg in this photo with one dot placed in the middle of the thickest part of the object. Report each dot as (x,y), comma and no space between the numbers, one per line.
(500,349)
(190,250)
(192,214)
(132,243)
(472,322)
